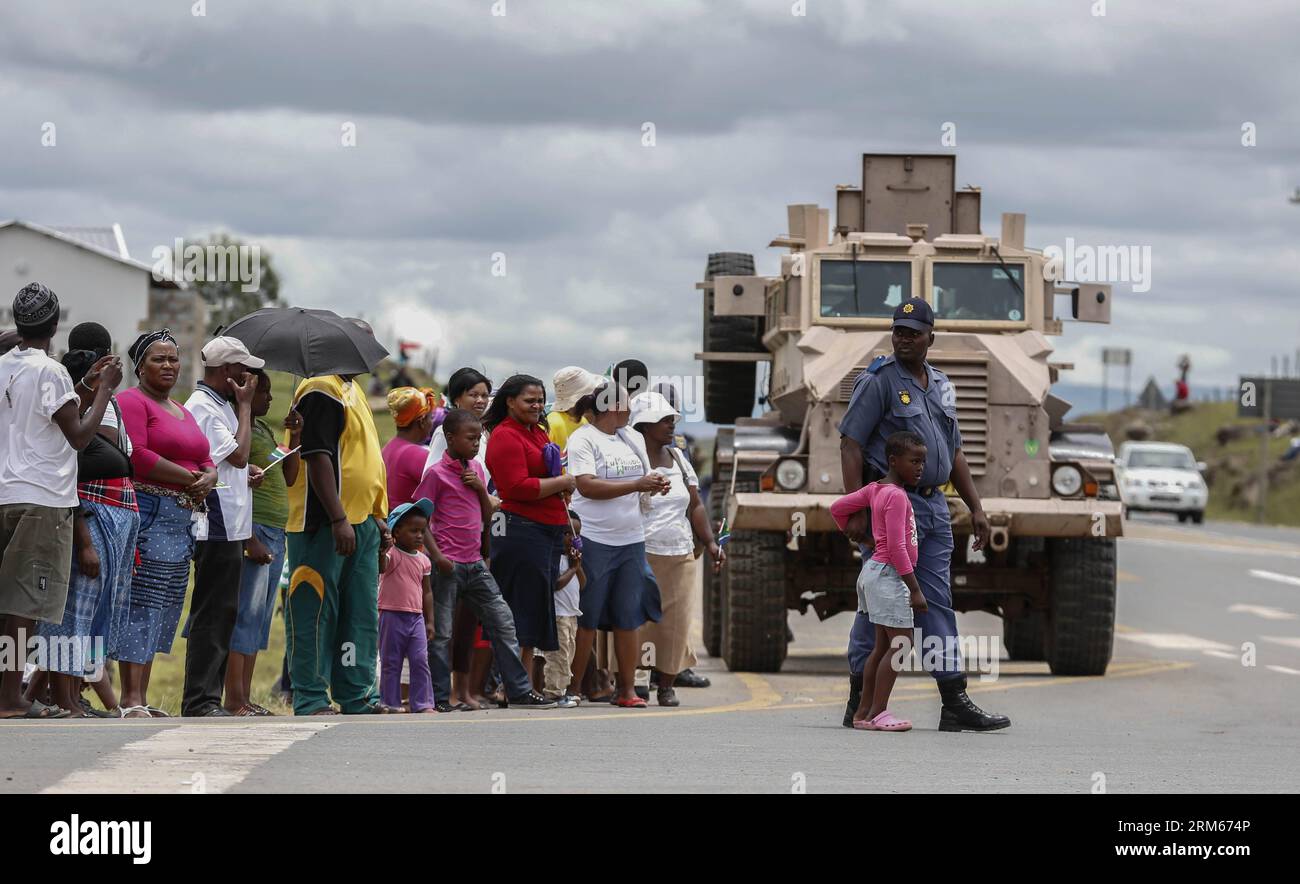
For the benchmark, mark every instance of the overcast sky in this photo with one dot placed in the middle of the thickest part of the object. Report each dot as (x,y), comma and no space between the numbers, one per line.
(522,134)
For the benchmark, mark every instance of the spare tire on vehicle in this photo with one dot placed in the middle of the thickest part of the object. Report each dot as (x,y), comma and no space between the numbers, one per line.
(729,387)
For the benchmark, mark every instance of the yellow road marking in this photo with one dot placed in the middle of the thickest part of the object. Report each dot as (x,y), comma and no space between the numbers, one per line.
(920,692)
(1126,577)
(762,697)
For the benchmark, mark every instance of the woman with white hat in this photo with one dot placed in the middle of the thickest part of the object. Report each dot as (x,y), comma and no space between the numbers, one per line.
(674,522)
(571,384)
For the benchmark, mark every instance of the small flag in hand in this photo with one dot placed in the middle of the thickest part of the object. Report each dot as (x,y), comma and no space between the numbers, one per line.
(724,533)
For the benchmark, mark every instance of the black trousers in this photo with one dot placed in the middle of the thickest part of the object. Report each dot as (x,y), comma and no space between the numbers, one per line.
(213,608)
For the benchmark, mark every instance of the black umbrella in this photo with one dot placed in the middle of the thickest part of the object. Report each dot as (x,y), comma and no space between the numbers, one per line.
(308,343)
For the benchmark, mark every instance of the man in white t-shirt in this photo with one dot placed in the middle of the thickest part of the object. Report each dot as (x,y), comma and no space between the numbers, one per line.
(41,431)
(222,406)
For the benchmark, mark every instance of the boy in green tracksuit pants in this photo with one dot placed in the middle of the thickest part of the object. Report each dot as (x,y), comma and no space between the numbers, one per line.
(336,528)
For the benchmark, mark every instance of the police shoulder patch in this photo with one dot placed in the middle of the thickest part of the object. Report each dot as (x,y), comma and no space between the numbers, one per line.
(876,364)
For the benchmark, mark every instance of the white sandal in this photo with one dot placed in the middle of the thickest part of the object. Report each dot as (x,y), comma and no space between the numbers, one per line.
(123,711)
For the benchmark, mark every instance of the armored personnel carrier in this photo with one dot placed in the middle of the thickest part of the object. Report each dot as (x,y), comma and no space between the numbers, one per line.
(1047,486)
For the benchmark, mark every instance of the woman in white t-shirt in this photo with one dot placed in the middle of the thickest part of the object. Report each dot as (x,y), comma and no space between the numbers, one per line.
(611,475)
(673,522)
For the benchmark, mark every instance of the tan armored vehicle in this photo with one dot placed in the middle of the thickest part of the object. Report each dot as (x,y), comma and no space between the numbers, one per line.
(1048,487)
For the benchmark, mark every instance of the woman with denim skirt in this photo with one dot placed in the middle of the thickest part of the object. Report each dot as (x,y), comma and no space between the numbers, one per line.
(173,475)
(611,473)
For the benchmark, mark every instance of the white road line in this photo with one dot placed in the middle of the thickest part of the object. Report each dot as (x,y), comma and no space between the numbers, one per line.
(1223,655)
(1285,670)
(189,758)
(1173,641)
(1287,640)
(1262,611)
(1274,576)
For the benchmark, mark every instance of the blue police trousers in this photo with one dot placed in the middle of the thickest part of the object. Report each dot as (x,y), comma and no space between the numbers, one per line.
(933,570)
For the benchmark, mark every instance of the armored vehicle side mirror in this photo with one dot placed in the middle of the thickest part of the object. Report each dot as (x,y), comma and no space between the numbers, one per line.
(1090,302)
(1202,466)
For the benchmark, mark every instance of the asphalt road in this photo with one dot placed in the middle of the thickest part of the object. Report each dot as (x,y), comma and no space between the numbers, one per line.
(1178,711)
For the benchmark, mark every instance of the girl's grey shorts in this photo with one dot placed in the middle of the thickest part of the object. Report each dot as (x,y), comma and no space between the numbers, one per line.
(884,596)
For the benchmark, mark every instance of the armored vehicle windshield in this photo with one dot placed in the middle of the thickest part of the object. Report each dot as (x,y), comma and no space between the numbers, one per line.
(965,290)
(880,287)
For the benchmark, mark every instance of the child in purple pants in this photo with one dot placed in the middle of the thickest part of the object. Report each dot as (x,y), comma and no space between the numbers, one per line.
(406,608)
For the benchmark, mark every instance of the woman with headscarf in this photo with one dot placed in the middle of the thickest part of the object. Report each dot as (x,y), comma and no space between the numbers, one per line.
(173,475)
(104,535)
(674,522)
(404,454)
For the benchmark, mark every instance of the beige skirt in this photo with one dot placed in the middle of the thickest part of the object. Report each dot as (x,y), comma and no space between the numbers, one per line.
(664,644)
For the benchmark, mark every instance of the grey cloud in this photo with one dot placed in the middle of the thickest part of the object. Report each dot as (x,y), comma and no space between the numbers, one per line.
(524,137)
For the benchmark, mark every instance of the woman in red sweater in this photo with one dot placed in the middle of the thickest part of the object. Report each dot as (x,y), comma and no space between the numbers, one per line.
(526,554)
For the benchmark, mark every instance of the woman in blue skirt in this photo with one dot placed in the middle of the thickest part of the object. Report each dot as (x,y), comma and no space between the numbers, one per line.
(611,473)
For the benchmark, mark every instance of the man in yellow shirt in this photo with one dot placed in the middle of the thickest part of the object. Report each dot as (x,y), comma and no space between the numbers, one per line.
(336,530)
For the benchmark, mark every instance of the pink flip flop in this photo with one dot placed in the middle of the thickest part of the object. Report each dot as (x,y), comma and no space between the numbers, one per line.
(886,721)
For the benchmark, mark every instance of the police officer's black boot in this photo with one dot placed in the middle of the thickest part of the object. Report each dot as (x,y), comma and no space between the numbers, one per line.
(961,714)
(855,697)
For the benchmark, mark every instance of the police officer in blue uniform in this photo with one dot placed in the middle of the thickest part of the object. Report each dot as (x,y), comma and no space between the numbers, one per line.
(904,392)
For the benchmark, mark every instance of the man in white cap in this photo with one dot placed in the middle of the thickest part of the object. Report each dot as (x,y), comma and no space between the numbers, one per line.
(571,384)
(222,406)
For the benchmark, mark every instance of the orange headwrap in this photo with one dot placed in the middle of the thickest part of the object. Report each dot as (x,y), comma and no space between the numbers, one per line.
(407,405)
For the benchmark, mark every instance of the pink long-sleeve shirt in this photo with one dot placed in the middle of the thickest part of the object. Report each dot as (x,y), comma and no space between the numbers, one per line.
(893,523)
(155,433)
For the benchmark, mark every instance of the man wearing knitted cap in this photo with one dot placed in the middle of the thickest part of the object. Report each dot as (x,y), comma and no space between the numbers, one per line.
(41,431)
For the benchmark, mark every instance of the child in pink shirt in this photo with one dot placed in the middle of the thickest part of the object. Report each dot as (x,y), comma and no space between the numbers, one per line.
(888,590)
(406,608)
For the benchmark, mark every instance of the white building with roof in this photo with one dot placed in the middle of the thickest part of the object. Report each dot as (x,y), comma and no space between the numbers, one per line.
(97,280)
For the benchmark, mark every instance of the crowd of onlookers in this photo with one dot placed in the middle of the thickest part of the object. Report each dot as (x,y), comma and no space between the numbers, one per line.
(494,551)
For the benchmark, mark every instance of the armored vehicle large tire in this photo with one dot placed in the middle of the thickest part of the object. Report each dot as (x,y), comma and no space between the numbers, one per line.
(1081,627)
(712,607)
(753,602)
(729,386)
(1025,636)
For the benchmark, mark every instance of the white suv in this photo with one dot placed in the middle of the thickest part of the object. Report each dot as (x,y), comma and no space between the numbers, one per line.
(1161,477)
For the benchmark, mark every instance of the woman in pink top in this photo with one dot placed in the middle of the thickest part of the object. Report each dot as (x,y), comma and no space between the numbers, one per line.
(173,474)
(405,453)
(888,590)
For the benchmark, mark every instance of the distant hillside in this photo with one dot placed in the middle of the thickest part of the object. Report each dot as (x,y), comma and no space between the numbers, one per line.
(1230,446)
(1086,399)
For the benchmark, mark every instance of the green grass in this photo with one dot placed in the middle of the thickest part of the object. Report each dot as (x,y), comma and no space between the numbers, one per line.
(168,676)
(1232,467)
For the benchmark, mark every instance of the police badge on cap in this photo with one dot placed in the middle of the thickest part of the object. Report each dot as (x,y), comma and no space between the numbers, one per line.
(914,313)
